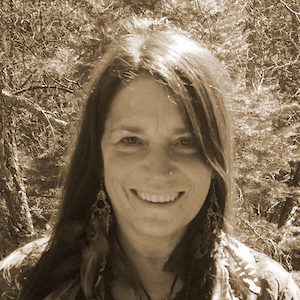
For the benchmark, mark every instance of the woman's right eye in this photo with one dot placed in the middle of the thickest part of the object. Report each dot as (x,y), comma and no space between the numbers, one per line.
(130,144)
(131,140)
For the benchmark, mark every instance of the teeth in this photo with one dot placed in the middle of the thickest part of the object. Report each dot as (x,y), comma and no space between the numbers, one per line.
(157,198)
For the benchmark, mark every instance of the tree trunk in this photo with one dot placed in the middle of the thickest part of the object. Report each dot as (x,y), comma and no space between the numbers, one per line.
(290,204)
(285,211)
(12,187)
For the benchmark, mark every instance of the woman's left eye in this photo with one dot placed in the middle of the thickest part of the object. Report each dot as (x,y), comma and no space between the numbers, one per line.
(185,145)
(185,142)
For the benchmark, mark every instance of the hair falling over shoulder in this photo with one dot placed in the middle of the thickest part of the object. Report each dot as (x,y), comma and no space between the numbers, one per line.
(189,70)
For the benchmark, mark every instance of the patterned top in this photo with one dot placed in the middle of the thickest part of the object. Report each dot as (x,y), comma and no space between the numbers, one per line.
(241,274)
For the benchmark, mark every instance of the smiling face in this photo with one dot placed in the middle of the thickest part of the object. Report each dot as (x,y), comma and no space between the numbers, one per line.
(154,176)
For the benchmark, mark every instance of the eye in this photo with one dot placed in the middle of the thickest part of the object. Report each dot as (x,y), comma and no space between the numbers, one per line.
(130,144)
(185,145)
(131,140)
(185,142)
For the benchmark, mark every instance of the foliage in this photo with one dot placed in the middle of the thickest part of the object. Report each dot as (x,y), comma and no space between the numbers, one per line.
(267,137)
(49,48)
(267,132)
(274,46)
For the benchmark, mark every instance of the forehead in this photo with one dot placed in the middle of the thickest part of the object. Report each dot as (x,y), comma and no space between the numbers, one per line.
(143,99)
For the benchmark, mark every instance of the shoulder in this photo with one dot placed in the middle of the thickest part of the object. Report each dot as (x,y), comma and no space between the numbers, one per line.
(274,281)
(274,278)
(14,266)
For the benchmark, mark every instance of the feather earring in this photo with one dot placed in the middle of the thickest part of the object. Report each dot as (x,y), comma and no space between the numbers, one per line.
(214,214)
(242,271)
(241,267)
(212,227)
(94,256)
(221,290)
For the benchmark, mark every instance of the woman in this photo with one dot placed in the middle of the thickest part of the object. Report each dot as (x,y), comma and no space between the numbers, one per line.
(145,196)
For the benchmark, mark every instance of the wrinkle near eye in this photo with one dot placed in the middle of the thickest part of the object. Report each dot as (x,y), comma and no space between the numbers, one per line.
(143,110)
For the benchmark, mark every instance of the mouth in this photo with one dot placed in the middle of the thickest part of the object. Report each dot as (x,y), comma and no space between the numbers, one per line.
(157,198)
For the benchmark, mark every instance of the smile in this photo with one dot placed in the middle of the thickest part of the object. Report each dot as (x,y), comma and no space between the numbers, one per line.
(157,198)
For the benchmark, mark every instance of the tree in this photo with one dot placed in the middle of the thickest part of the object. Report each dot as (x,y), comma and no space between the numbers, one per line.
(47,52)
(23,119)
(12,187)
(274,44)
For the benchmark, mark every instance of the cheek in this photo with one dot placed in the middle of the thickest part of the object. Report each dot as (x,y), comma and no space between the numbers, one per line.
(114,182)
(198,172)
(116,168)
(117,172)
(120,165)
(113,174)
(200,176)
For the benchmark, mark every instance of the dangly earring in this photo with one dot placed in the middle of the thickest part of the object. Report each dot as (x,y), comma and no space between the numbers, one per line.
(94,256)
(101,209)
(212,226)
(214,214)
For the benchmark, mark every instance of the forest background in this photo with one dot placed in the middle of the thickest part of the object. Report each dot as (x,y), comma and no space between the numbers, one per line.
(47,51)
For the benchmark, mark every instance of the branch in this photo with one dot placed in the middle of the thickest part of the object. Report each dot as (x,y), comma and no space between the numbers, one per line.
(249,225)
(47,118)
(107,8)
(297,93)
(297,14)
(23,44)
(241,198)
(72,81)
(57,81)
(267,242)
(35,109)
(290,63)
(269,208)
(293,214)
(28,78)
(36,87)
(46,114)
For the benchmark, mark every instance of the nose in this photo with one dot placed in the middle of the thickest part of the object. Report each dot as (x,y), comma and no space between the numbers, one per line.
(159,162)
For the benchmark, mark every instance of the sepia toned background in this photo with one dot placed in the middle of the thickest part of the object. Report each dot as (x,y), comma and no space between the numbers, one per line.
(47,51)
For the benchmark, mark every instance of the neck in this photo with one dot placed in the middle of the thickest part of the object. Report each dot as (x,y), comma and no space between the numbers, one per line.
(148,256)
(149,248)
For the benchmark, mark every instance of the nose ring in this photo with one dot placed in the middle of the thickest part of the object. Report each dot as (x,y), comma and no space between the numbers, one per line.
(171,173)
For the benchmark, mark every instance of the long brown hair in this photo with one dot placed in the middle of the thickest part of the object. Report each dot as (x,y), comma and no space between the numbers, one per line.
(189,71)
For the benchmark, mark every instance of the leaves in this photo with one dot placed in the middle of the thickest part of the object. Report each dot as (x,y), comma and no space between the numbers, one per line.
(273,38)
(49,48)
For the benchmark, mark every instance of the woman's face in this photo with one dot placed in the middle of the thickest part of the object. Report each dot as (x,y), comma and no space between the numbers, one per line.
(156,181)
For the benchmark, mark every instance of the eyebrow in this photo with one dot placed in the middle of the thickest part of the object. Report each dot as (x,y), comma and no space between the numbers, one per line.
(137,129)
(133,129)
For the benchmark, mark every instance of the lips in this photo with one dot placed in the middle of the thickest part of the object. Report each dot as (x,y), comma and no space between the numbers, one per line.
(157,198)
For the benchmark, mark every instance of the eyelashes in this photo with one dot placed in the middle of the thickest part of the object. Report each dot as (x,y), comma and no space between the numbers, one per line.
(131,141)
(184,144)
